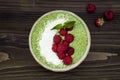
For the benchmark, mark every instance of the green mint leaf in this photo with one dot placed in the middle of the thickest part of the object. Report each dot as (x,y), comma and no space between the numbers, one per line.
(69,24)
(58,26)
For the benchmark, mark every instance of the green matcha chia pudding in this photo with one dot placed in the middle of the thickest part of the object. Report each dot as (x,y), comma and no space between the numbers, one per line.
(41,40)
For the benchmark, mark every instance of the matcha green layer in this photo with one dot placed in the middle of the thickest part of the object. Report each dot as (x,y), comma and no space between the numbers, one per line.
(80,42)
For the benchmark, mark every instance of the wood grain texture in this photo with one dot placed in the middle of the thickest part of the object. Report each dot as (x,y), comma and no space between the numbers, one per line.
(16,20)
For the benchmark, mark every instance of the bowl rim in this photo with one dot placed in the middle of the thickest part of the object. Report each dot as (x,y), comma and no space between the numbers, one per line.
(81,59)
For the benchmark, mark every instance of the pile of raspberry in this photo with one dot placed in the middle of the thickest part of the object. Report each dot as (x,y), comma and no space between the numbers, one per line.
(61,45)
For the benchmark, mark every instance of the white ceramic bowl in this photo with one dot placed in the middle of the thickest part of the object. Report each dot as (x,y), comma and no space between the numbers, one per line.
(63,69)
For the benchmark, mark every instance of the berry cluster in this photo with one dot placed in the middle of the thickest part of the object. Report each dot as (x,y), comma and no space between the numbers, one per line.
(108,15)
(61,45)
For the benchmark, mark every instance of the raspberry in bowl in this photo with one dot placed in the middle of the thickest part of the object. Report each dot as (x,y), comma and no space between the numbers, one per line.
(59,40)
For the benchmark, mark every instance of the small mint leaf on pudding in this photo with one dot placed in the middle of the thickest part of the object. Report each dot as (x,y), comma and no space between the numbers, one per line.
(69,24)
(58,26)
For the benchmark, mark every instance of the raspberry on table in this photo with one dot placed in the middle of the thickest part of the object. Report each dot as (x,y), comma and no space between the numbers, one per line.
(91,8)
(109,15)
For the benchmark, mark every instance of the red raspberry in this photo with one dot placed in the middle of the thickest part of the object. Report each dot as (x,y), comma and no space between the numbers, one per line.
(91,8)
(61,55)
(54,47)
(62,48)
(63,32)
(67,60)
(109,15)
(57,39)
(69,37)
(65,43)
(69,29)
(70,51)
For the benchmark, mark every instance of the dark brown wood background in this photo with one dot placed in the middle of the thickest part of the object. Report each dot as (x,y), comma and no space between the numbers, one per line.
(16,20)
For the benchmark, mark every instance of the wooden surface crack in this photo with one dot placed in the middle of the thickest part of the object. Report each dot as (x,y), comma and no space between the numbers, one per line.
(4,56)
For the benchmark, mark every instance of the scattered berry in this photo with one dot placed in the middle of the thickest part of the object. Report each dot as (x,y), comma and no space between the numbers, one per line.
(67,60)
(69,29)
(91,8)
(61,55)
(70,51)
(54,47)
(57,39)
(109,15)
(63,32)
(69,37)
(62,48)
(99,22)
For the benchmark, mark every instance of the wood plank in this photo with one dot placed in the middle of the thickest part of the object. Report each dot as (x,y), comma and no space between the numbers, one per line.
(24,21)
(47,6)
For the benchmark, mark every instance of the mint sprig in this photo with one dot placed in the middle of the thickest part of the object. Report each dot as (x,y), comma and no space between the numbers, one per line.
(67,24)
(58,26)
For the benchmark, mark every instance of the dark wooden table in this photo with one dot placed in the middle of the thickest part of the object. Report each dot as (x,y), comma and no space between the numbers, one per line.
(16,20)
